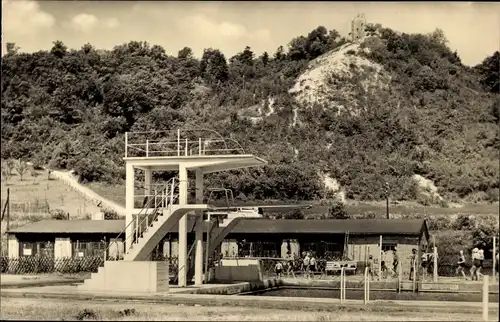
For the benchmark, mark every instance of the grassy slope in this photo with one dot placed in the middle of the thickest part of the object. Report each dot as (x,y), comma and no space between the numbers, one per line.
(116,193)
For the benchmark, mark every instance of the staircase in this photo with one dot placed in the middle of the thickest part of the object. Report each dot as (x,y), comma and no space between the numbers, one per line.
(149,230)
(221,232)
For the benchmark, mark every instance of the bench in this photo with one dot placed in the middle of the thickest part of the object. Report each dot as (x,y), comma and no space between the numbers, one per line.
(336,266)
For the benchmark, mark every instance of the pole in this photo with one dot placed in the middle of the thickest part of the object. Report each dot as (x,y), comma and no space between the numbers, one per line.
(207,244)
(126,146)
(387,200)
(8,209)
(178,142)
(435,260)
(485,297)
(494,256)
(380,260)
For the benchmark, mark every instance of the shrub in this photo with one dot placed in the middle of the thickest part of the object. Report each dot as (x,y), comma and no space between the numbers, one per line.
(464,222)
(110,214)
(337,210)
(86,314)
(294,214)
(59,214)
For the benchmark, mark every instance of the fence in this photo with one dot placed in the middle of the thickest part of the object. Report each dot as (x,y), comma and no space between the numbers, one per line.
(69,265)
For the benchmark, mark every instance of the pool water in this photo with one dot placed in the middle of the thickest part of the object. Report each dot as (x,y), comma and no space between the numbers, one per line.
(374,295)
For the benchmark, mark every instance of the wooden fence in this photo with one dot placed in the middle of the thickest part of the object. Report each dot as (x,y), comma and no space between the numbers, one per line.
(69,265)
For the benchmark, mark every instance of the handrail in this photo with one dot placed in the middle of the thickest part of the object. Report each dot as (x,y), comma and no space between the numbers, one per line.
(164,197)
(145,207)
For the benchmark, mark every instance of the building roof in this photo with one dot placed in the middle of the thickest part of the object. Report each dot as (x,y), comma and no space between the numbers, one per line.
(72,226)
(332,226)
(257,226)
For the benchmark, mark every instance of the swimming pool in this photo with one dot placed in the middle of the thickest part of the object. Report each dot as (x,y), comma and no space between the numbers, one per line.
(374,295)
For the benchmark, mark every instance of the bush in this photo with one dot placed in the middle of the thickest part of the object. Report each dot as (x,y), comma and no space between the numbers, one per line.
(59,214)
(110,214)
(464,222)
(87,314)
(337,210)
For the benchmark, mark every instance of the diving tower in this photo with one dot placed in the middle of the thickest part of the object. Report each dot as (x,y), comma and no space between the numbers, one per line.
(152,214)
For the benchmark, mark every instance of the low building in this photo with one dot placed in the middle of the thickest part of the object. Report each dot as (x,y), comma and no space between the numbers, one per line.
(354,239)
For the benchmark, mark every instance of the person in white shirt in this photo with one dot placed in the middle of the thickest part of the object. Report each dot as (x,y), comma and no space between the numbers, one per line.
(480,256)
(307,263)
(461,264)
(475,264)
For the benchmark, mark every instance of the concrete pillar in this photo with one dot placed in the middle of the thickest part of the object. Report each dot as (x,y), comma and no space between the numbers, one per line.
(198,266)
(13,244)
(183,228)
(129,204)
(148,174)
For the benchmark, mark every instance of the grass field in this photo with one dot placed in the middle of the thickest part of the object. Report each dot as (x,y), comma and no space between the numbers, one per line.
(45,309)
(116,193)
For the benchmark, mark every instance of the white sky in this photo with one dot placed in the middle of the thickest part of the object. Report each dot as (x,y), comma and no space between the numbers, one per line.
(473,29)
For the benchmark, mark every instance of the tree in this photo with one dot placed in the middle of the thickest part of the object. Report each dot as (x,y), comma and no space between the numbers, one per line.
(59,49)
(213,66)
(280,53)
(337,210)
(490,72)
(12,49)
(185,53)
(21,168)
(265,58)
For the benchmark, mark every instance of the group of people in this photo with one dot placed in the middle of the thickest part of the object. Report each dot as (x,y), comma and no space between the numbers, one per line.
(385,270)
(477,258)
(308,264)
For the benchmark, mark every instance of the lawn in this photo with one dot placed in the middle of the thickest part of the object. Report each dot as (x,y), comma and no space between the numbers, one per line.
(116,193)
(46,309)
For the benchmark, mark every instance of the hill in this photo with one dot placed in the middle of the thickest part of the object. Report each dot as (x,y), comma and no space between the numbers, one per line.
(323,110)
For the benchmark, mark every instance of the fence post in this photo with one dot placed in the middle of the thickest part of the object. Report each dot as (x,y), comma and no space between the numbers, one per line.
(342,285)
(380,260)
(199,146)
(494,257)
(126,144)
(400,277)
(178,142)
(186,149)
(485,297)
(435,260)
(367,285)
(147,148)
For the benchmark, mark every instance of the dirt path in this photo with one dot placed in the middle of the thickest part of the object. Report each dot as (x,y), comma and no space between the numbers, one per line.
(68,178)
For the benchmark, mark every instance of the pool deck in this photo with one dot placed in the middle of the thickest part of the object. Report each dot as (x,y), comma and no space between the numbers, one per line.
(181,296)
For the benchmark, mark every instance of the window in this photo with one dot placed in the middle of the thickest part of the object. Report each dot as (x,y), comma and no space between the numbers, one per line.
(388,246)
(84,248)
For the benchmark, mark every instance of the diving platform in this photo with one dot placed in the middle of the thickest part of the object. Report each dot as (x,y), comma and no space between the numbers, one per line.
(151,214)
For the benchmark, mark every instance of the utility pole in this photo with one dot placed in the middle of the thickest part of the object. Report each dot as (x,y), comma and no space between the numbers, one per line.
(387,199)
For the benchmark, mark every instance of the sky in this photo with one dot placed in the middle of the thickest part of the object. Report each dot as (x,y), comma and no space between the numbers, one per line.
(473,29)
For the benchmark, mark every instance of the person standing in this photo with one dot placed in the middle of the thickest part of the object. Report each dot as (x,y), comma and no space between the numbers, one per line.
(461,264)
(370,266)
(307,262)
(480,256)
(312,263)
(413,262)
(425,259)
(475,264)
(395,261)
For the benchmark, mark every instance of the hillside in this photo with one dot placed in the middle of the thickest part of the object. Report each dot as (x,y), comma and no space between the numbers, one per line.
(396,108)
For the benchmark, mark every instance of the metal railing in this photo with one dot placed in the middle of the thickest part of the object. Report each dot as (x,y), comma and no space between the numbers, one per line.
(179,143)
(165,199)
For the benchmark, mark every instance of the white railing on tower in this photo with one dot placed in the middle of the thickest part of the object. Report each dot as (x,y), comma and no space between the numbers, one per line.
(179,143)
